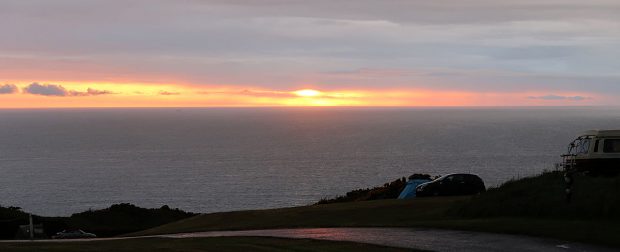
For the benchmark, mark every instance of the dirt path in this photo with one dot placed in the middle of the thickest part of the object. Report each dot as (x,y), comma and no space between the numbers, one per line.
(418,238)
(427,239)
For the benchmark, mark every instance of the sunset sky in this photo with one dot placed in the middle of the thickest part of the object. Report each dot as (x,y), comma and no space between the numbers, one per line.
(195,53)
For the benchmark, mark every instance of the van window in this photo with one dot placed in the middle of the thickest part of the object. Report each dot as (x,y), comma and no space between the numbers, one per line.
(596,145)
(583,146)
(611,146)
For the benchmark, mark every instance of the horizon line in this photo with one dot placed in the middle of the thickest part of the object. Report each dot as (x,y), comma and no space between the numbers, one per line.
(317,107)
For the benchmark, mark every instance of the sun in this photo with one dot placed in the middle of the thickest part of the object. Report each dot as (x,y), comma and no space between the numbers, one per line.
(307,93)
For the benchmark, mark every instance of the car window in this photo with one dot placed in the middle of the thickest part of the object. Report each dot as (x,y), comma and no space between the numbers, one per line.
(470,178)
(457,178)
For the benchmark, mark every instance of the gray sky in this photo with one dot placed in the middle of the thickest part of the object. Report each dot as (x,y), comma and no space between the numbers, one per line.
(551,47)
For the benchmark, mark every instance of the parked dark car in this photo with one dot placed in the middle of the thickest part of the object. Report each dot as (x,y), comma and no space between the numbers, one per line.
(451,184)
(73,234)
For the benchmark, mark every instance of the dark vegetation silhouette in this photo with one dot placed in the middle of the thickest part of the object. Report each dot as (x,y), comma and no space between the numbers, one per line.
(115,220)
(10,219)
(389,190)
(543,197)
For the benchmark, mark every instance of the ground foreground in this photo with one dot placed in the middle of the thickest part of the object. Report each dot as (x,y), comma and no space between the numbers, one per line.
(424,212)
(532,206)
(219,244)
(417,238)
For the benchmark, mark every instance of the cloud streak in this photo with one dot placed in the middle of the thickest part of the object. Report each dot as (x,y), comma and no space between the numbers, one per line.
(552,97)
(59,91)
(46,89)
(8,89)
(252,93)
(92,91)
(169,93)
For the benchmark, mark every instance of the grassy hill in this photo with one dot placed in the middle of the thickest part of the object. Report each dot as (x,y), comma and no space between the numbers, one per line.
(531,206)
(376,213)
(543,196)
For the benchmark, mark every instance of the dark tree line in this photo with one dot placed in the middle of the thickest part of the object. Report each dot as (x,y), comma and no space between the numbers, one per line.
(115,220)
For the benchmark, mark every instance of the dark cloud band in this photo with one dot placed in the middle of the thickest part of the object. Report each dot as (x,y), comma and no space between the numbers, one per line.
(8,89)
(58,90)
(552,97)
(46,89)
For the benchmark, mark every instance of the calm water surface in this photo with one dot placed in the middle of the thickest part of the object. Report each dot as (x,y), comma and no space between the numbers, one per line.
(57,162)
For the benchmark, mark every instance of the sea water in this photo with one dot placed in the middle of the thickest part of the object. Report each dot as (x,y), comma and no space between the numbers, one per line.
(61,161)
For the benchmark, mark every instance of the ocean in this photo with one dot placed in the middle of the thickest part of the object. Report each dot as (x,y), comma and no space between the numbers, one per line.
(55,162)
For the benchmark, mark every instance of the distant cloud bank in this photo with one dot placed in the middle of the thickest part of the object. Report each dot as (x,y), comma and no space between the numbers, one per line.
(253,93)
(45,89)
(8,89)
(91,92)
(553,97)
(169,93)
(58,90)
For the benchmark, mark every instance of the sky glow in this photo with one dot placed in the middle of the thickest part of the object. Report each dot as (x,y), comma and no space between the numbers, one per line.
(163,53)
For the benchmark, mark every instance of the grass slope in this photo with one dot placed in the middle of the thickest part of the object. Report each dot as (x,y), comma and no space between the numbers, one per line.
(594,198)
(219,244)
(379,213)
(531,206)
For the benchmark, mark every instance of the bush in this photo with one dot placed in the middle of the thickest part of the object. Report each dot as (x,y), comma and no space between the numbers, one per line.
(124,218)
(115,220)
(543,196)
(389,190)
(10,219)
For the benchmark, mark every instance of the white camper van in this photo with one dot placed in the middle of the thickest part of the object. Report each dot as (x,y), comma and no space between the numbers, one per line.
(594,151)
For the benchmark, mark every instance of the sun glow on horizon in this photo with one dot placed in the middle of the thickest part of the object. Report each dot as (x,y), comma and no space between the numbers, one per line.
(308,93)
(94,94)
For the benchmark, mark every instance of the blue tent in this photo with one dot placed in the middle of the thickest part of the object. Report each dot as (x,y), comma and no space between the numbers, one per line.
(409,191)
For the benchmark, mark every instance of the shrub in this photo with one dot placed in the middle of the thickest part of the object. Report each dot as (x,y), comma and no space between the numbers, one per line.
(389,190)
(543,196)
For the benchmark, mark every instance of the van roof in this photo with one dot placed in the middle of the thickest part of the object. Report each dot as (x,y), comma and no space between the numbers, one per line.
(601,133)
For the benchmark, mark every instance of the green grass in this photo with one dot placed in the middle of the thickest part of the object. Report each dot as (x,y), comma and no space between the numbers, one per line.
(423,212)
(219,244)
(377,213)
(532,206)
(543,196)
